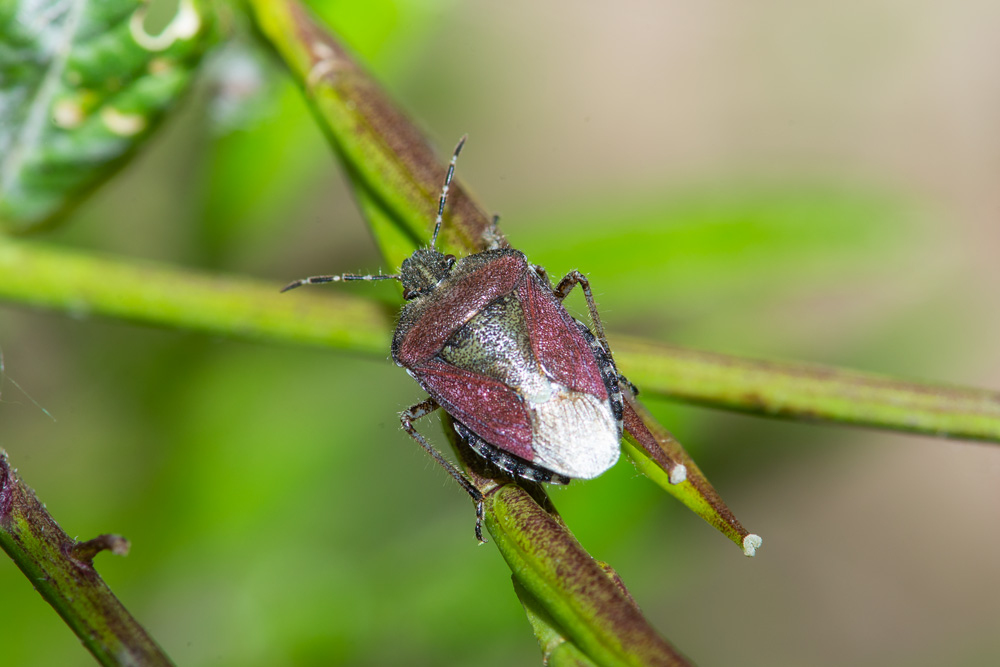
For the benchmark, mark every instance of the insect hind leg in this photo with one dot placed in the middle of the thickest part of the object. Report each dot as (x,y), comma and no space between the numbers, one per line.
(509,463)
(415,412)
(571,280)
(561,290)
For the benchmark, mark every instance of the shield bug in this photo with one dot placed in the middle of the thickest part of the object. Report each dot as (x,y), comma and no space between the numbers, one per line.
(529,388)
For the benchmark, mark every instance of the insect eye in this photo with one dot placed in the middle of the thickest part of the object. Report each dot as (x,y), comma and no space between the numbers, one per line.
(449,260)
(409,293)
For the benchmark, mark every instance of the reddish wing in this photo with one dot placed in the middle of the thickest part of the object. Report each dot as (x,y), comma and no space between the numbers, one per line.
(491,409)
(457,303)
(557,342)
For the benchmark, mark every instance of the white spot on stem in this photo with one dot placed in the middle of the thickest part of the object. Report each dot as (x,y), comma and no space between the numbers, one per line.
(750,545)
(322,51)
(320,70)
(678,474)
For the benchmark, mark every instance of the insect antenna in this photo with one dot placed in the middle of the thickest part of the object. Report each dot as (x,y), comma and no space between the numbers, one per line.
(444,189)
(315,280)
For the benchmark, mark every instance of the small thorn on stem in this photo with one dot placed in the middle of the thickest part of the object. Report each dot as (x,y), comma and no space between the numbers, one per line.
(85,551)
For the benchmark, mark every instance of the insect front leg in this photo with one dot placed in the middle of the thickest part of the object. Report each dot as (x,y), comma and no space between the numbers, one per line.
(414,413)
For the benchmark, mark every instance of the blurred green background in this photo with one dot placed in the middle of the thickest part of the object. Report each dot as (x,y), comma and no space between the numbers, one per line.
(794,180)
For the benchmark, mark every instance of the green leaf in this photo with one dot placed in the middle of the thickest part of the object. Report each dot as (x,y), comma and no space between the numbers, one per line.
(658,455)
(85,83)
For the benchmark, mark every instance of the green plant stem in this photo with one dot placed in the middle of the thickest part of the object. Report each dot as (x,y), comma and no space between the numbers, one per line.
(557,650)
(83,284)
(61,570)
(810,392)
(578,607)
(575,592)
(396,174)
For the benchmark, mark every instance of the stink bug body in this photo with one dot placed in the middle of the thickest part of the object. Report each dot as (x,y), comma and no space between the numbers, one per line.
(530,389)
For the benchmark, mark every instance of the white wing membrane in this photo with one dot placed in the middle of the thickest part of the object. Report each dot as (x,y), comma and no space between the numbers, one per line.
(575,434)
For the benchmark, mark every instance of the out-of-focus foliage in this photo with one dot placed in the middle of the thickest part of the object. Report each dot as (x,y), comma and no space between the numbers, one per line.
(83,85)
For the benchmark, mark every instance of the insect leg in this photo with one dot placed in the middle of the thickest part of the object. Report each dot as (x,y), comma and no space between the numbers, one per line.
(544,275)
(414,413)
(573,278)
(315,280)
(561,291)
(628,384)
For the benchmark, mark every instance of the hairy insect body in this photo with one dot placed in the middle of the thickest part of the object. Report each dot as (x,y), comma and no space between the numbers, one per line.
(514,368)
